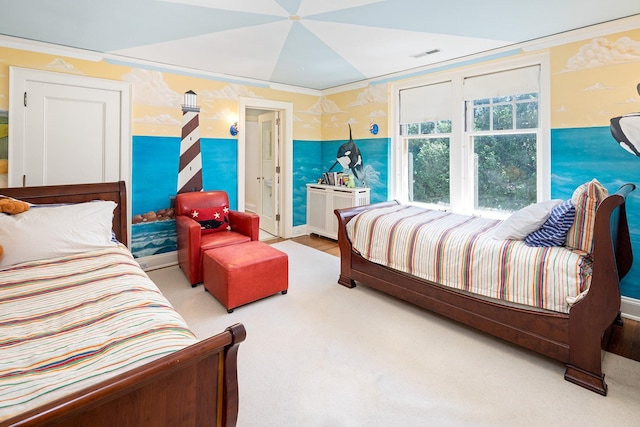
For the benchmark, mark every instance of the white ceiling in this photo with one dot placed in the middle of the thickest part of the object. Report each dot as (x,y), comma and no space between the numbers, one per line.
(316,44)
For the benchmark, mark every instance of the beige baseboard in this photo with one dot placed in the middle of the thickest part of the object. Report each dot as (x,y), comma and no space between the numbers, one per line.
(630,308)
(154,262)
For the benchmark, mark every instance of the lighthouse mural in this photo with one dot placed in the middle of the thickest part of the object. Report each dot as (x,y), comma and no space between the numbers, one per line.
(190,169)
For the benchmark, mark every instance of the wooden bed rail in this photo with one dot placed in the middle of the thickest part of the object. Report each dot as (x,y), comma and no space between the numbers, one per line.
(195,386)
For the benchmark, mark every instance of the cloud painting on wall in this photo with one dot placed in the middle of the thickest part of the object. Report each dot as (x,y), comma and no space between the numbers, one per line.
(149,88)
(601,52)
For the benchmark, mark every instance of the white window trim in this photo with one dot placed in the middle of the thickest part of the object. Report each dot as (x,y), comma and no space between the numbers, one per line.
(398,179)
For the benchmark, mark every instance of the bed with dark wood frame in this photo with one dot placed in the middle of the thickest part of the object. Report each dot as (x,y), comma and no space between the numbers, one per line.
(195,386)
(575,339)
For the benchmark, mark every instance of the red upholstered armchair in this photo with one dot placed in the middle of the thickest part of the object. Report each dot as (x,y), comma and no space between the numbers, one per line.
(203,222)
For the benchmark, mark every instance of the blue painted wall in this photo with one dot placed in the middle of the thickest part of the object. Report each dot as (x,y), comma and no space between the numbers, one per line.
(312,158)
(580,154)
(375,160)
(306,170)
(577,156)
(155,163)
(155,176)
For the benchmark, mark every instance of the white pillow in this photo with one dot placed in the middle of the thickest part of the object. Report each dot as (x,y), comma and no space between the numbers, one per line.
(525,221)
(54,231)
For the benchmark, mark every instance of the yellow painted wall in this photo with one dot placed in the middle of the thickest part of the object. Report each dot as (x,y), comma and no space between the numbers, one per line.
(595,79)
(359,108)
(157,96)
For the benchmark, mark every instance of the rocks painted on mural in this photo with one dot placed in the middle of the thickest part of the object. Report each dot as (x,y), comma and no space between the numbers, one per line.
(151,216)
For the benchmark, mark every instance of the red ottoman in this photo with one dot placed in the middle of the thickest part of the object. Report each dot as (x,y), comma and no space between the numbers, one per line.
(246,272)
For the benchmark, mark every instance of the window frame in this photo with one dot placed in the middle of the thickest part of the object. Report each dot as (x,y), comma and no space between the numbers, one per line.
(461,149)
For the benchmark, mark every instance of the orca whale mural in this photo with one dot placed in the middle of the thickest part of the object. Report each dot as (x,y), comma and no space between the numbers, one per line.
(349,157)
(626,130)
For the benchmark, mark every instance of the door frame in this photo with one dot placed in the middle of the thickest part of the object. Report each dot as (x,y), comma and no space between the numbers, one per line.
(18,78)
(274,115)
(286,157)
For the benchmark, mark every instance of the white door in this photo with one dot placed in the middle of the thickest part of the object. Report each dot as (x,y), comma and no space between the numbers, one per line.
(269,174)
(285,146)
(67,129)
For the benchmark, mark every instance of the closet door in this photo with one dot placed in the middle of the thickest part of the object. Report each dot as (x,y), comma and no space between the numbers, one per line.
(67,129)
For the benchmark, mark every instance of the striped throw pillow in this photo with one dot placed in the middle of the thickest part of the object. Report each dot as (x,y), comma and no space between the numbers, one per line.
(554,231)
(586,199)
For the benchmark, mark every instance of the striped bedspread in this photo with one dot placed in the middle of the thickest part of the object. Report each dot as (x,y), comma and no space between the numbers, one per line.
(70,322)
(458,251)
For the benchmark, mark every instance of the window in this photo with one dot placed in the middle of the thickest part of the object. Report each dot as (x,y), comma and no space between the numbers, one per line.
(475,143)
(505,160)
(428,160)
(426,123)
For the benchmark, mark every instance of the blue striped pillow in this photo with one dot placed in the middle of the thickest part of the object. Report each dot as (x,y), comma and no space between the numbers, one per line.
(554,231)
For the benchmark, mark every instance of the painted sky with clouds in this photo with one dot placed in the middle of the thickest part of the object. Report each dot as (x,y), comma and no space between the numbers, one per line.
(594,80)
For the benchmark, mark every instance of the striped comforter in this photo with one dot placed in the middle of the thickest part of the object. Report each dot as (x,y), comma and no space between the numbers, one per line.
(70,322)
(458,251)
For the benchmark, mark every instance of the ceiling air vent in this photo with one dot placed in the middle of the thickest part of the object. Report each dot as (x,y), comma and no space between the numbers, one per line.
(428,52)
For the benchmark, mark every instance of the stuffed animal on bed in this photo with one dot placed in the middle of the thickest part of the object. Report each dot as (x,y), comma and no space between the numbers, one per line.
(12,206)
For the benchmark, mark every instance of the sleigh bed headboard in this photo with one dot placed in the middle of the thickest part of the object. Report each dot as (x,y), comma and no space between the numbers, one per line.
(78,193)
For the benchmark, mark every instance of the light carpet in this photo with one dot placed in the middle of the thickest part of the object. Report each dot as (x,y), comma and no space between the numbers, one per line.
(325,355)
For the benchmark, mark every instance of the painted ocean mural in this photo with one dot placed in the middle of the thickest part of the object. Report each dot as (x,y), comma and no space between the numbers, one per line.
(312,158)
(154,172)
(580,154)
(154,181)
(153,238)
(375,159)
(306,170)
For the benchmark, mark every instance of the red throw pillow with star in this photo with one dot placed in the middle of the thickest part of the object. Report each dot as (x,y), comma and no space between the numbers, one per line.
(212,219)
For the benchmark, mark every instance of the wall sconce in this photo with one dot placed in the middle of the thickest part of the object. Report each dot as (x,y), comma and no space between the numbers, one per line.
(373,128)
(233,130)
